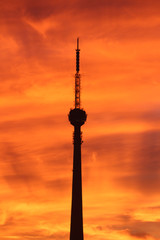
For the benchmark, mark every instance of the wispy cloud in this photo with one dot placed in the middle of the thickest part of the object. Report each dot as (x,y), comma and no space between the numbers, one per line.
(120,55)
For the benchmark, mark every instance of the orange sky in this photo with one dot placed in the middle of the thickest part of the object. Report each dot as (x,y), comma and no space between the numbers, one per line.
(120,55)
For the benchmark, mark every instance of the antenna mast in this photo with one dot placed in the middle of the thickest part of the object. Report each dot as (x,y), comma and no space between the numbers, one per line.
(77,77)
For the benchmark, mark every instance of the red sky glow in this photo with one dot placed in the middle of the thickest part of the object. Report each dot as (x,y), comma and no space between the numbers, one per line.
(120,73)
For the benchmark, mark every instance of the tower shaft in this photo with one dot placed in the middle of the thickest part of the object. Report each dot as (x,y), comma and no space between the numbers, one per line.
(76,230)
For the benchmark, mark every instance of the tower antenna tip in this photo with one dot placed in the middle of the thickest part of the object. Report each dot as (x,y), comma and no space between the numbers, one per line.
(78,43)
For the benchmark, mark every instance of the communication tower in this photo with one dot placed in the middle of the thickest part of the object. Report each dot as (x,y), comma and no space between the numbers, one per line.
(77,118)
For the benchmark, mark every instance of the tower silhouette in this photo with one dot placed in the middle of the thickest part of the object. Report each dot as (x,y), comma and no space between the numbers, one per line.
(77,118)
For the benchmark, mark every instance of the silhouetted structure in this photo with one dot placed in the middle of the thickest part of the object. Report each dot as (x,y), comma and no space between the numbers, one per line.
(77,118)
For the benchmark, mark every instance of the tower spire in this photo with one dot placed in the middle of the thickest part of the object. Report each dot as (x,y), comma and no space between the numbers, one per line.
(77,77)
(77,56)
(77,118)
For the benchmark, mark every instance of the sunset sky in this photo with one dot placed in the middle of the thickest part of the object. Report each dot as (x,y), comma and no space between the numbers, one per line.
(120,74)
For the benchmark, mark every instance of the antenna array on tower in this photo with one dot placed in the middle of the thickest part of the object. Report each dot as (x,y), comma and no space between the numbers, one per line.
(77,77)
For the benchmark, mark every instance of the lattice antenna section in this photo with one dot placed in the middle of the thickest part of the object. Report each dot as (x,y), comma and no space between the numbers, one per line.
(77,77)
